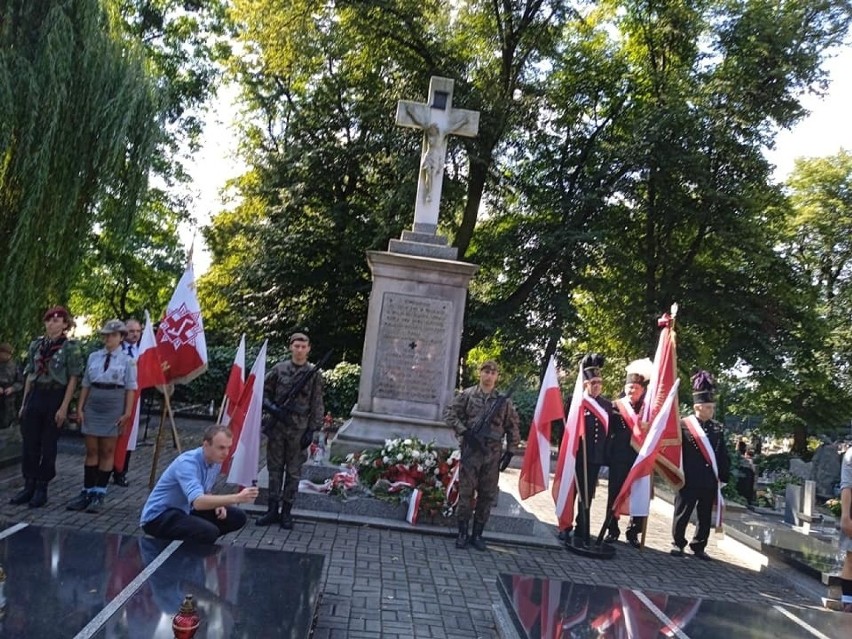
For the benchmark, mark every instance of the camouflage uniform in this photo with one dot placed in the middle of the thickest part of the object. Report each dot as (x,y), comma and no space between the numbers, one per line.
(10,377)
(480,470)
(283,450)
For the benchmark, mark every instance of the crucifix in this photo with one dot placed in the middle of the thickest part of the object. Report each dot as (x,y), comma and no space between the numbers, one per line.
(438,120)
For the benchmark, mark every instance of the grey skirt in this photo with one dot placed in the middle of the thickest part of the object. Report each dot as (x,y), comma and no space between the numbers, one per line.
(102,410)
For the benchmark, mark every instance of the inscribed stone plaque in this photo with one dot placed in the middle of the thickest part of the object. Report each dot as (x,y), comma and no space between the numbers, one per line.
(412,348)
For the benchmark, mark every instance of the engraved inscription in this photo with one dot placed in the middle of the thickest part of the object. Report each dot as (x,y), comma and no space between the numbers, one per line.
(412,348)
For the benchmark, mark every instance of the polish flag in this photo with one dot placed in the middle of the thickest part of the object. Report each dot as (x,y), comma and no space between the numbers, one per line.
(241,465)
(235,382)
(637,486)
(180,338)
(535,473)
(563,489)
(149,372)
(664,374)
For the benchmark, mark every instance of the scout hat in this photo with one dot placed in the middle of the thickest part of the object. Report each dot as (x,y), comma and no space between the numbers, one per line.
(639,371)
(703,388)
(113,326)
(592,365)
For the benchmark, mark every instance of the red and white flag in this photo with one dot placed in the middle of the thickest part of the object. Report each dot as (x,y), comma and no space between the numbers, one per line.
(149,372)
(241,465)
(234,388)
(664,374)
(563,481)
(535,473)
(180,338)
(637,486)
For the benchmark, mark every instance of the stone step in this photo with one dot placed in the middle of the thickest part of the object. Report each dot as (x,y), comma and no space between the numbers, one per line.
(507,515)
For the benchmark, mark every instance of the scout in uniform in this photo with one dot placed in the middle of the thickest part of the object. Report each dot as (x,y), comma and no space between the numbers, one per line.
(54,365)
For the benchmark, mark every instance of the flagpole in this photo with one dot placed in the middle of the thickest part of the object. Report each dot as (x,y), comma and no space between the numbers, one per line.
(174,427)
(222,408)
(157,443)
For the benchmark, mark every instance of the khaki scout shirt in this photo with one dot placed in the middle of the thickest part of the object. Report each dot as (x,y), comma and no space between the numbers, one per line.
(66,363)
(468,405)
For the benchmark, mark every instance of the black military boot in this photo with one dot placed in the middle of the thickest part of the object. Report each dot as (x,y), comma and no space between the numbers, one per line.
(271,516)
(476,539)
(40,495)
(612,534)
(286,517)
(463,539)
(25,494)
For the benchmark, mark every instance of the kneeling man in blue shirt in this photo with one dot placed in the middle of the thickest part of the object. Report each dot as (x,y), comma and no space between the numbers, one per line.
(181,506)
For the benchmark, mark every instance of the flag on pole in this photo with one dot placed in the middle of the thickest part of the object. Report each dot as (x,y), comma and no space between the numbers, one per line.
(637,486)
(535,473)
(234,388)
(664,374)
(149,372)
(563,481)
(180,338)
(241,465)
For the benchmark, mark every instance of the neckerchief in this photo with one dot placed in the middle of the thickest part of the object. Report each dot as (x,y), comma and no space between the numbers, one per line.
(47,349)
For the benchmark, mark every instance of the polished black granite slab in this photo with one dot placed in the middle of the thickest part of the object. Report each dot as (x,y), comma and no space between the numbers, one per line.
(63,583)
(57,580)
(241,593)
(550,609)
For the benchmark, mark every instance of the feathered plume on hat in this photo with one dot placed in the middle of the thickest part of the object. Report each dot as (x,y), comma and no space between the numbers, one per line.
(703,388)
(639,371)
(592,364)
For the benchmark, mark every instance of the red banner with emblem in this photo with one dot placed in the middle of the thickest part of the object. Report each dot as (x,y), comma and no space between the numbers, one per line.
(180,339)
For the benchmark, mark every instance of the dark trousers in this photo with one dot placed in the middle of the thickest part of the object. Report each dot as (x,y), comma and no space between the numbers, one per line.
(686,501)
(589,474)
(199,526)
(40,433)
(284,452)
(617,474)
(479,475)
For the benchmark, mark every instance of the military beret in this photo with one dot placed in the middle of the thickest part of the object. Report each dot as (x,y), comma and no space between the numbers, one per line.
(299,337)
(57,311)
(489,364)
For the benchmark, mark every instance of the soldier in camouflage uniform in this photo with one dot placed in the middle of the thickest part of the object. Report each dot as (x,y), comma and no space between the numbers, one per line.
(287,444)
(480,472)
(11,383)
(54,366)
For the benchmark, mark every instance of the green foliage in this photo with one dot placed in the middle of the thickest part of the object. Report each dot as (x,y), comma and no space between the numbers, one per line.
(340,388)
(773,463)
(79,119)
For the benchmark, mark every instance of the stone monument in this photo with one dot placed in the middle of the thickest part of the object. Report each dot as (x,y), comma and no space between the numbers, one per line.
(416,311)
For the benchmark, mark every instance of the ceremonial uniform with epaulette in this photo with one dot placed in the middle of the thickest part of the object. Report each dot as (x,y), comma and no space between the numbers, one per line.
(11,383)
(705,463)
(285,449)
(54,366)
(480,466)
(594,444)
(621,453)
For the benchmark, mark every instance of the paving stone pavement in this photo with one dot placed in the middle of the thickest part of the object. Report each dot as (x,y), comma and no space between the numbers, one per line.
(396,583)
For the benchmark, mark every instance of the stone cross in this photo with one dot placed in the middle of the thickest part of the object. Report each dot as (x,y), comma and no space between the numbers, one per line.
(438,120)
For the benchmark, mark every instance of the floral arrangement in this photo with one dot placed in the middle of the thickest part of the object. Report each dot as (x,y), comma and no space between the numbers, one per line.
(403,465)
(834,507)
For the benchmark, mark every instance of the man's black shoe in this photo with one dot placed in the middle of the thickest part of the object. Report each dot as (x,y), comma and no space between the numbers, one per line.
(676,552)
(700,554)
(120,479)
(633,540)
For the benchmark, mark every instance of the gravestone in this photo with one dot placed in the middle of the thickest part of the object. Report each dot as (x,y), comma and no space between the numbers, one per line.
(792,504)
(826,469)
(416,313)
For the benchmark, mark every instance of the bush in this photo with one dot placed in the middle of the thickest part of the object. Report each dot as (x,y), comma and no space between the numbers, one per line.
(341,388)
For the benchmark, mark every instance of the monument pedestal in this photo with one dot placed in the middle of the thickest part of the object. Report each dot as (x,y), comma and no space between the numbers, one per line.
(411,348)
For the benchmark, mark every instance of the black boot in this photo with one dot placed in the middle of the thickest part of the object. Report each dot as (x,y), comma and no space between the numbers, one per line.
(25,494)
(286,517)
(272,514)
(40,495)
(463,539)
(476,539)
(612,534)
(120,479)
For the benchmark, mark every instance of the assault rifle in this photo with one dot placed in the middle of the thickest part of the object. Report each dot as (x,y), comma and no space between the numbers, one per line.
(284,411)
(476,436)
